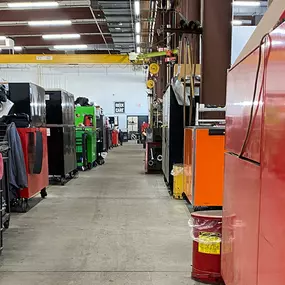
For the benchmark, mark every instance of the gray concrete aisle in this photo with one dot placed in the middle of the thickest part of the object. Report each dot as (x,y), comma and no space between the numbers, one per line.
(112,225)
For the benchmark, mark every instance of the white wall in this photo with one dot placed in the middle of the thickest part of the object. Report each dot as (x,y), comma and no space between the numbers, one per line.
(240,36)
(101,84)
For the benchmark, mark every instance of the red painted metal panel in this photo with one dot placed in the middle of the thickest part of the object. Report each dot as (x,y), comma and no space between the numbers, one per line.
(240,221)
(36,182)
(254,196)
(272,229)
(240,89)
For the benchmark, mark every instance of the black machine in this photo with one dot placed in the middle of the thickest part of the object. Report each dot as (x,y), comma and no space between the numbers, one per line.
(28,98)
(61,134)
(101,139)
(172,133)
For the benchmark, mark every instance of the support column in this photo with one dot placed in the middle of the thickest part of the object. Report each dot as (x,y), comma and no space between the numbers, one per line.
(193,12)
(216,49)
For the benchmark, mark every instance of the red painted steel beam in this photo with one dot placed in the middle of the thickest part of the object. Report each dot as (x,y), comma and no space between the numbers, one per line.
(38,41)
(47,14)
(76,28)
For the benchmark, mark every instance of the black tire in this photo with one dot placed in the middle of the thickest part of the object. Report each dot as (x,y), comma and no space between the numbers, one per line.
(89,165)
(24,205)
(7,224)
(62,181)
(43,193)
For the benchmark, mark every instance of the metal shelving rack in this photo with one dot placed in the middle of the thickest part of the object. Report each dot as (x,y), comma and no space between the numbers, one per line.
(201,108)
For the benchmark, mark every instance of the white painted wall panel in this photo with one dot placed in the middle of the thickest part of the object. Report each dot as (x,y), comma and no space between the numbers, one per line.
(240,36)
(101,84)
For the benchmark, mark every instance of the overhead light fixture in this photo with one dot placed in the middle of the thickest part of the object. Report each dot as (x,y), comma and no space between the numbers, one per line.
(247,3)
(50,23)
(117,28)
(17,48)
(120,24)
(137,8)
(138,27)
(138,49)
(70,47)
(138,39)
(237,22)
(27,5)
(61,37)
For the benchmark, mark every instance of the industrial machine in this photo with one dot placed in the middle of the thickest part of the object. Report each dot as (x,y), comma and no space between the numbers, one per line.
(253,231)
(172,133)
(61,134)
(85,121)
(204,155)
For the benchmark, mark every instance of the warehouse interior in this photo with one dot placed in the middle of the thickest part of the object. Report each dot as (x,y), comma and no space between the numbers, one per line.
(141,142)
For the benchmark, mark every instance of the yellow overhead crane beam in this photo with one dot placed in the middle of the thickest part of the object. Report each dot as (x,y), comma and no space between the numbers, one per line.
(64,59)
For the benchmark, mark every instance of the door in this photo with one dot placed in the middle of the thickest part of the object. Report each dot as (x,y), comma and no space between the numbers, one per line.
(133,127)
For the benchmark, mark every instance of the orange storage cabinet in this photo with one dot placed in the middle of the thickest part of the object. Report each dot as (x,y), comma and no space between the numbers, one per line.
(204,165)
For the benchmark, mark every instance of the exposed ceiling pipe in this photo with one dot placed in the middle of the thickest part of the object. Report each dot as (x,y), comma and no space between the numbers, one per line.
(100,30)
(153,22)
(132,20)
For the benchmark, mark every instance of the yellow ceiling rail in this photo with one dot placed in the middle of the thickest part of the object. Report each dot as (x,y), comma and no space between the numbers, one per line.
(64,59)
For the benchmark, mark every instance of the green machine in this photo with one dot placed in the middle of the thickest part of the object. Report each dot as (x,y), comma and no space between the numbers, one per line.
(86,139)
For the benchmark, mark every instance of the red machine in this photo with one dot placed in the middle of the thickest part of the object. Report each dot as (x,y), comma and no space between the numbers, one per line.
(34,144)
(115,138)
(253,213)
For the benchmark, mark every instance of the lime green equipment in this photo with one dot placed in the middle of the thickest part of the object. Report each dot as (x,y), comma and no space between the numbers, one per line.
(86,139)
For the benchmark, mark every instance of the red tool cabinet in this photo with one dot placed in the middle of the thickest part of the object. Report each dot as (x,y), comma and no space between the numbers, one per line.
(115,138)
(34,144)
(253,247)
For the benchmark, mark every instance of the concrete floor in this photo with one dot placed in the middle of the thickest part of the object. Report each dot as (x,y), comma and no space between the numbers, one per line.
(112,225)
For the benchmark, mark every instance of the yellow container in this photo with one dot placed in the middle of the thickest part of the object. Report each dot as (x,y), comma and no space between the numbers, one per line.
(178,178)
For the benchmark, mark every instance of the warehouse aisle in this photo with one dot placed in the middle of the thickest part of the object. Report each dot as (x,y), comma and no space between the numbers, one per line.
(113,225)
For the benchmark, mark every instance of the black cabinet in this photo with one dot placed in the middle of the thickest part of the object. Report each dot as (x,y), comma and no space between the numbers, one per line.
(172,133)
(61,150)
(61,132)
(28,98)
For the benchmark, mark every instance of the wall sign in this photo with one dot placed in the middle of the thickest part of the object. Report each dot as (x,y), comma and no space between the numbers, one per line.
(119,107)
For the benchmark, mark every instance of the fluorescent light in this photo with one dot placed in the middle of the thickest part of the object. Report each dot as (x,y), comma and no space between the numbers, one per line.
(70,47)
(138,39)
(32,4)
(247,3)
(50,23)
(120,24)
(17,48)
(237,22)
(2,38)
(61,37)
(137,8)
(138,27)
(138,50)
(117,28)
